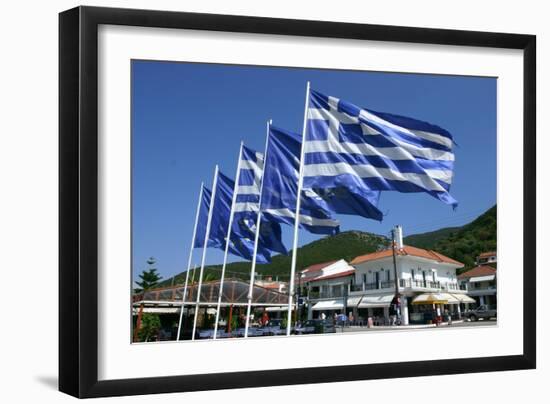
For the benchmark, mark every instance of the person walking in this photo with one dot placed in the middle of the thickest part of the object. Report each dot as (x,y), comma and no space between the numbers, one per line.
(448,317)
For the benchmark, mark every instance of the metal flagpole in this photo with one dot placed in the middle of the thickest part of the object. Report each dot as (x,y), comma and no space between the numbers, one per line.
(256,239)
(192,279)
(228,240)
(297,217)
(206,237)
(189,260)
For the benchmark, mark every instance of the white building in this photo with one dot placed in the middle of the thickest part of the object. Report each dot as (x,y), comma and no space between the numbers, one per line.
(481,284)
(426,279)
(489,257)
(326,286)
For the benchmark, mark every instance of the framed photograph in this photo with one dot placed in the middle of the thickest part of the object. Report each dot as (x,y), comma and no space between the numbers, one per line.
(251,201)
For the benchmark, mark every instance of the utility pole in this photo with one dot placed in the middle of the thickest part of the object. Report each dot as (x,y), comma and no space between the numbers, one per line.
(396,303)
(394,262)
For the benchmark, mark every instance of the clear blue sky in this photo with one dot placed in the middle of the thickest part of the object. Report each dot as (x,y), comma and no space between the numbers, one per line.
(188,117)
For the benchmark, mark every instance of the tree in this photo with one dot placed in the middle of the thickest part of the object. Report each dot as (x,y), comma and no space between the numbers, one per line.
(150,326)
(149,278)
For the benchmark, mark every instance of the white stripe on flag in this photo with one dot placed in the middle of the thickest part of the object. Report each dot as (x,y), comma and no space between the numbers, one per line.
(246,207)
(304,219)
(251,165)
(434,137)
(367,171)
(393,153)
(335,118)
(248,190)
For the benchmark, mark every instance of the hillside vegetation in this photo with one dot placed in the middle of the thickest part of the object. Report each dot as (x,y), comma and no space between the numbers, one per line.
(462,243)
(346,245)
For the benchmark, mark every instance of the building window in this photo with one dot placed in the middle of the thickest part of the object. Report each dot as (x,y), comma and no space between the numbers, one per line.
(388,275)
(364,278)
(412,274)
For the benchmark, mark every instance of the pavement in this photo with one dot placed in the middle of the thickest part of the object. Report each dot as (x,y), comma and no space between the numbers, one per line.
(455,324)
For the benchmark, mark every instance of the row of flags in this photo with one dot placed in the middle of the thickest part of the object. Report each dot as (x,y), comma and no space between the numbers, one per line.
(351,155)
(345,157)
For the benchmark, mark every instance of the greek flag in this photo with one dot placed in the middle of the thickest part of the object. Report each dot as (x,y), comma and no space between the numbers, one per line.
(280,186)
(364,151)
(203,217)
(223,200)
(247,204)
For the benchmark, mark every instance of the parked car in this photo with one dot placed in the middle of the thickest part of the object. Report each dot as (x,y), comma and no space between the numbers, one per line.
(316,327)
(209,334)
(274,327)
(482,312)
(206,334)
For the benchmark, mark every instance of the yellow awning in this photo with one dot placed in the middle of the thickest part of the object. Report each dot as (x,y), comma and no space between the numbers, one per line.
(462,298)
(431,298)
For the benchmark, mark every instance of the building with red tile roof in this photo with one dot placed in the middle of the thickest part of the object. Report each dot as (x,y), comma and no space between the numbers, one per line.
(481,283)
(406,251)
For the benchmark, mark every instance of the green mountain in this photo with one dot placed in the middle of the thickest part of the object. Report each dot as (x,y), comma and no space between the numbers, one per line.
(346,245)
(463,243)
(427,240)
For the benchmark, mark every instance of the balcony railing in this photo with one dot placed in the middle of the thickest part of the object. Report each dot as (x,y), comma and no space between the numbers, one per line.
(356,288)
(371,286)
(403,283)
(415,283)
(326,294)
(482,287)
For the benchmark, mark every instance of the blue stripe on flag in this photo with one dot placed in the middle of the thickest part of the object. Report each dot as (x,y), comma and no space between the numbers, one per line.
(362,150)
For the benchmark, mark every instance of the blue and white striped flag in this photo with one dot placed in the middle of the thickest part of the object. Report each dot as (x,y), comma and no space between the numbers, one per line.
(280,187)
(250,176)
(239,246)
(364,151)
(202,218)
(247,205)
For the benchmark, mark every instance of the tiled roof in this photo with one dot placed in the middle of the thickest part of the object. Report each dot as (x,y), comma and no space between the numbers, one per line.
(318,267)
(272,285)
(332,276)
(487,254)
(480,270)
(406,251)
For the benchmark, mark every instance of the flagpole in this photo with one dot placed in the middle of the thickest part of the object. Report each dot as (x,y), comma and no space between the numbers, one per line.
(228,240)
(256,239)
(297,217)
(189,260)
(206,237)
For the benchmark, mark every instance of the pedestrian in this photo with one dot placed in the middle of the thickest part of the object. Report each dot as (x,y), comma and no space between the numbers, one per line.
(448,317)
(323,316)
(434,317)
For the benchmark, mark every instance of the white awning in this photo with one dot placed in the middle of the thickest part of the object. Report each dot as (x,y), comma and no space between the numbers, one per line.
(376,301)
(482,278)
(276,308)
(329,305)
(462,298)
(353,301)
(158,310)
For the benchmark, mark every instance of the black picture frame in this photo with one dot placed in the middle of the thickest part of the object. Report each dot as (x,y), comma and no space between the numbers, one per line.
(78,205)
